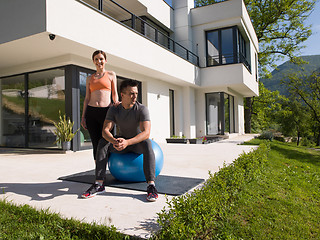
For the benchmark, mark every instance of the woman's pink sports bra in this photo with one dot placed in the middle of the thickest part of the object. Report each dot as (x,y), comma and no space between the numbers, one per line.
(103,83)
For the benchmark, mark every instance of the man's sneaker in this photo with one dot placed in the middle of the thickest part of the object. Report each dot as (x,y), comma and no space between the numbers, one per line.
(152,193)
(93,190)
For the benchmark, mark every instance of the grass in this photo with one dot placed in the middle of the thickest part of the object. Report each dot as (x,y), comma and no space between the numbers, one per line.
(276,197)
(24,222)
(284,202)
(280,199)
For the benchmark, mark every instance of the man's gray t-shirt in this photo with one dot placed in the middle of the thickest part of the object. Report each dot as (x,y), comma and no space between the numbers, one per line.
(128,120)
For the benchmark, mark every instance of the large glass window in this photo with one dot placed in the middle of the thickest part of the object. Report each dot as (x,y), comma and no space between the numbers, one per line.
(219,113)
(213,48)
(46,98)
(227,53)
(12,112)
(84,134)
(226,46)
(213,109)
(30,103)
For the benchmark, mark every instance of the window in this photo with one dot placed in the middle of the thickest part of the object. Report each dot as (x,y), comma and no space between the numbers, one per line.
(29,104)
(12,111)
(85,140)
(219,113)
(227,46)
(46,91)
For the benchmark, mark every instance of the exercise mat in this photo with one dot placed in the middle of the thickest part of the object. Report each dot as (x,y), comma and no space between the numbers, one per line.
(170,185)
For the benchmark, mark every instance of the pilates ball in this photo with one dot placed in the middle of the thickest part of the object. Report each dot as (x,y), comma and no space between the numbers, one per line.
(128,167)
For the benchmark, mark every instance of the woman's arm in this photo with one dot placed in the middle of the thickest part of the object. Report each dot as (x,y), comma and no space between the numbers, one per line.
(85,103)
(114,91)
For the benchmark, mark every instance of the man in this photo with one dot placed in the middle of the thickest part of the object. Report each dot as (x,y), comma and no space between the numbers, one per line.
(132,119)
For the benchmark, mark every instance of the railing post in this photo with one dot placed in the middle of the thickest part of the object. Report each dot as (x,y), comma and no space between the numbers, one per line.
(143,30)
(133,21)
(100,5)
(156,35)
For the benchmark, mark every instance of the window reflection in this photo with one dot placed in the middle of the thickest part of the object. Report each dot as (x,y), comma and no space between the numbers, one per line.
(227,46)
(12,112)
(46,98)
(84,134)
(220,113)
(213,109)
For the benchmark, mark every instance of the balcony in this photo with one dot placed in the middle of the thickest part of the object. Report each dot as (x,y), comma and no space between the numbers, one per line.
(218,60)
(123,16)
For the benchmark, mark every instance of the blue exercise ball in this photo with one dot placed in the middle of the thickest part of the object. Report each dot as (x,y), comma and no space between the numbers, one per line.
(128,167)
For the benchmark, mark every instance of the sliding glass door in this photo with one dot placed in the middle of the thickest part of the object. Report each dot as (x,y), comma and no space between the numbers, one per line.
(219,113)
(46,97)
(12,112)
(30,103)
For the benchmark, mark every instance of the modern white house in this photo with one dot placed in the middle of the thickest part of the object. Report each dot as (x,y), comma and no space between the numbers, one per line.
(195,65)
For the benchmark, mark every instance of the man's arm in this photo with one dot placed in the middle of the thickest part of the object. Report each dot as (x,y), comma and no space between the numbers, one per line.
(145,127)
(106,134)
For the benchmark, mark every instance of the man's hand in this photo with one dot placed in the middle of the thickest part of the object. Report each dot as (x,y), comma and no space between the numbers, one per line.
(121,144)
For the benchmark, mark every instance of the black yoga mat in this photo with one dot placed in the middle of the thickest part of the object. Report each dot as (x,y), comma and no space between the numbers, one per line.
(170,185)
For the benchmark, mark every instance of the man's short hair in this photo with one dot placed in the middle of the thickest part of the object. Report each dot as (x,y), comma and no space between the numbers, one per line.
(128,83)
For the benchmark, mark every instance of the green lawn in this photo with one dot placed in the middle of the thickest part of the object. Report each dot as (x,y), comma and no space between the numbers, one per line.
(280,200)
(24,222)
(284,202)
(270,193)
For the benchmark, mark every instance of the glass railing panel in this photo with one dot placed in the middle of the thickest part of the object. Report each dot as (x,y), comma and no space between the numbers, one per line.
(115,11)
(93,3)
(121,14)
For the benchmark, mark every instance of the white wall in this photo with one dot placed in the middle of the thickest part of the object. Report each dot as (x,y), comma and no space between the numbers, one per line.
(160,11)
(239,113)
(235,76)
(189,112)
(182,22)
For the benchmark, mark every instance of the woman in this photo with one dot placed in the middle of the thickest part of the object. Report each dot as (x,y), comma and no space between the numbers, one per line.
(100,86)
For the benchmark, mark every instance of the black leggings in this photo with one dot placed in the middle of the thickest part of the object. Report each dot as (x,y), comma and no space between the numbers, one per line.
(144,147)
(95,117)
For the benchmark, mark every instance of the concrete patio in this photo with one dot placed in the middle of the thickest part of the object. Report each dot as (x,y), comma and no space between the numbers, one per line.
(30,177)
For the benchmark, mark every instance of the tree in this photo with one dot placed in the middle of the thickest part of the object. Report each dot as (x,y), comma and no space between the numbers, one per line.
(307,88)
(266,109)
(280,29)
(294,119)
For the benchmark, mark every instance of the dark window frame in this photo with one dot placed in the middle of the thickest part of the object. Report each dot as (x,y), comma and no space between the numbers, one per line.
(26,102)
(241,48)
(221,110)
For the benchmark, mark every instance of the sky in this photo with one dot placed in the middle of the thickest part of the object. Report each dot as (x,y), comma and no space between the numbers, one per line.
(313,42)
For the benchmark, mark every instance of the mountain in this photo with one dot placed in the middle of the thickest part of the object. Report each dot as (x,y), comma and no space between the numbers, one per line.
(280,73)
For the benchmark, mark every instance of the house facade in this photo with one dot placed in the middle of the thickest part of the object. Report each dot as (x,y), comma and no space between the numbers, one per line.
(195,65)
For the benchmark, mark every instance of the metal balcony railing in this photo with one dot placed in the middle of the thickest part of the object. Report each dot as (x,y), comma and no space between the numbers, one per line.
(228,59)
(124,16)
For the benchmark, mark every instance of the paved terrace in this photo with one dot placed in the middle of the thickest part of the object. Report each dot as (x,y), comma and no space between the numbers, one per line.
(30,177)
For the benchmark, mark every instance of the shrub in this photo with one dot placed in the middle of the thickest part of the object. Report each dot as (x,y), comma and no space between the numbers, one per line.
(194,215)
(306,142)
(267,135)
(279,138)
